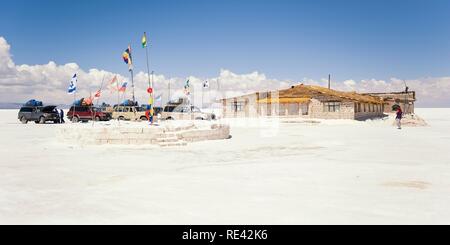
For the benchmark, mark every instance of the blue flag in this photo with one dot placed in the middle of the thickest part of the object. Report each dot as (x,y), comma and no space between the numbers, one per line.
(73,85)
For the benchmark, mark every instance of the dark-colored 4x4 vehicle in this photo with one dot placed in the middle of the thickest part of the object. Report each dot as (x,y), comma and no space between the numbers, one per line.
(38,114)
(86,113)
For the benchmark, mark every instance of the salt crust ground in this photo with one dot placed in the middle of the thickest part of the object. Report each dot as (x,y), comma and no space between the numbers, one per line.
(270,172)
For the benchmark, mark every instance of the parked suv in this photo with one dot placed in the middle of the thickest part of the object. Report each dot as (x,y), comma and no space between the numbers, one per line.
(86,113)
(156,110)
(185,112)
(130,113)
(38,114)
(108,110)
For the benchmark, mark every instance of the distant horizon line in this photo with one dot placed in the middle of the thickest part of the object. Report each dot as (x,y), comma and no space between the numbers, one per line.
(17,105)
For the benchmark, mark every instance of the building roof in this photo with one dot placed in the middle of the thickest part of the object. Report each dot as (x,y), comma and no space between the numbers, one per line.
(282,100)
(303,93)
(392,96)
(324,94)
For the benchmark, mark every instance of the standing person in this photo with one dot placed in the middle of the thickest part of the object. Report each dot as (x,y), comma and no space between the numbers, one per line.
(151,115)
(61,116)
(398,118)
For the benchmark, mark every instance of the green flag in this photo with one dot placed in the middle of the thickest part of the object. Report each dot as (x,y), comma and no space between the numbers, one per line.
(144,40)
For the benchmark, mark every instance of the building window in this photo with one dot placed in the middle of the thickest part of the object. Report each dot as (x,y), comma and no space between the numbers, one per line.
(331,106)
(237,106)
(304,108)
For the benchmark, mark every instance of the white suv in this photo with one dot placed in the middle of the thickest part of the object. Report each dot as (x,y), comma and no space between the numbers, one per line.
(130,113)
(185,112)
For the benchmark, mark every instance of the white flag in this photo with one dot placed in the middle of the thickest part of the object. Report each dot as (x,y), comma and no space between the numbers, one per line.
(73,85)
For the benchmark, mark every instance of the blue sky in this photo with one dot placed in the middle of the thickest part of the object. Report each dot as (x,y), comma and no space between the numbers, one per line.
(284,39)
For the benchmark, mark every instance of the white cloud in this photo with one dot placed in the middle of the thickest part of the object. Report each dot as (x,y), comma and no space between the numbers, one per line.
(48,82)
(6,64)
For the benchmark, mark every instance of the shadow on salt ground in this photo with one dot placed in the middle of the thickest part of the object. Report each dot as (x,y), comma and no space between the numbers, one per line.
(415,184)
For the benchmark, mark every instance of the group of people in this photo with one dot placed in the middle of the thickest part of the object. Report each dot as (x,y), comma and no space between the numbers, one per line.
(61,115)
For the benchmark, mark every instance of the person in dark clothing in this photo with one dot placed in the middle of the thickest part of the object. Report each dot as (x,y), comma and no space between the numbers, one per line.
(61,116)
(399,117)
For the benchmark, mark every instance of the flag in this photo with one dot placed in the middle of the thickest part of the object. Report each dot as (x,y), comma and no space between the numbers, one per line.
(206,84)
(113,85)
(186,88)
(127,58)
(97,94)
(87,101)
(158,98)
(73,85)
(123,88)
(144,40)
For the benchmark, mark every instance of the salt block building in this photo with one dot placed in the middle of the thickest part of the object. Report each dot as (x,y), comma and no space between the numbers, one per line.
(305,101)
(404,99)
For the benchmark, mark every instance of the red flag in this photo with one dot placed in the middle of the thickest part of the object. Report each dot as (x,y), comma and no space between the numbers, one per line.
(97,94)
(113,85)
(88,101)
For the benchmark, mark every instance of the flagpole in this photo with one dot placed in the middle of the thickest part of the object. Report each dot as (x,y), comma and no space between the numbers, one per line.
(73,103)
(153,72)
(132,85)
(148,67)
(92,109)
(118,98)
(153,100)
(168,98)
(101,86)
(150,81)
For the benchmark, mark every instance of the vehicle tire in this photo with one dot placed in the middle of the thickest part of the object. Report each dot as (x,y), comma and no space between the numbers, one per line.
(75,119)
(56,121)
(42,120)
(144,118)
(23,120)
(199,118)
(97,118)
(121,118)
(169,118)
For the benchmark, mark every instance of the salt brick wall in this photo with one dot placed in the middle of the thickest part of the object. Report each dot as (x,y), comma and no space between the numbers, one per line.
(409,108)
(316,111)
(249,110)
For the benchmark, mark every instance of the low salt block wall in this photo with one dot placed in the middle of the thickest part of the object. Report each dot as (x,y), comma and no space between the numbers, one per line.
(214,133)
(411,121)
(135,135)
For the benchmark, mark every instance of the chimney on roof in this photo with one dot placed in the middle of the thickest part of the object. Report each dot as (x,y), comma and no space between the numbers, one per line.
(329,81)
